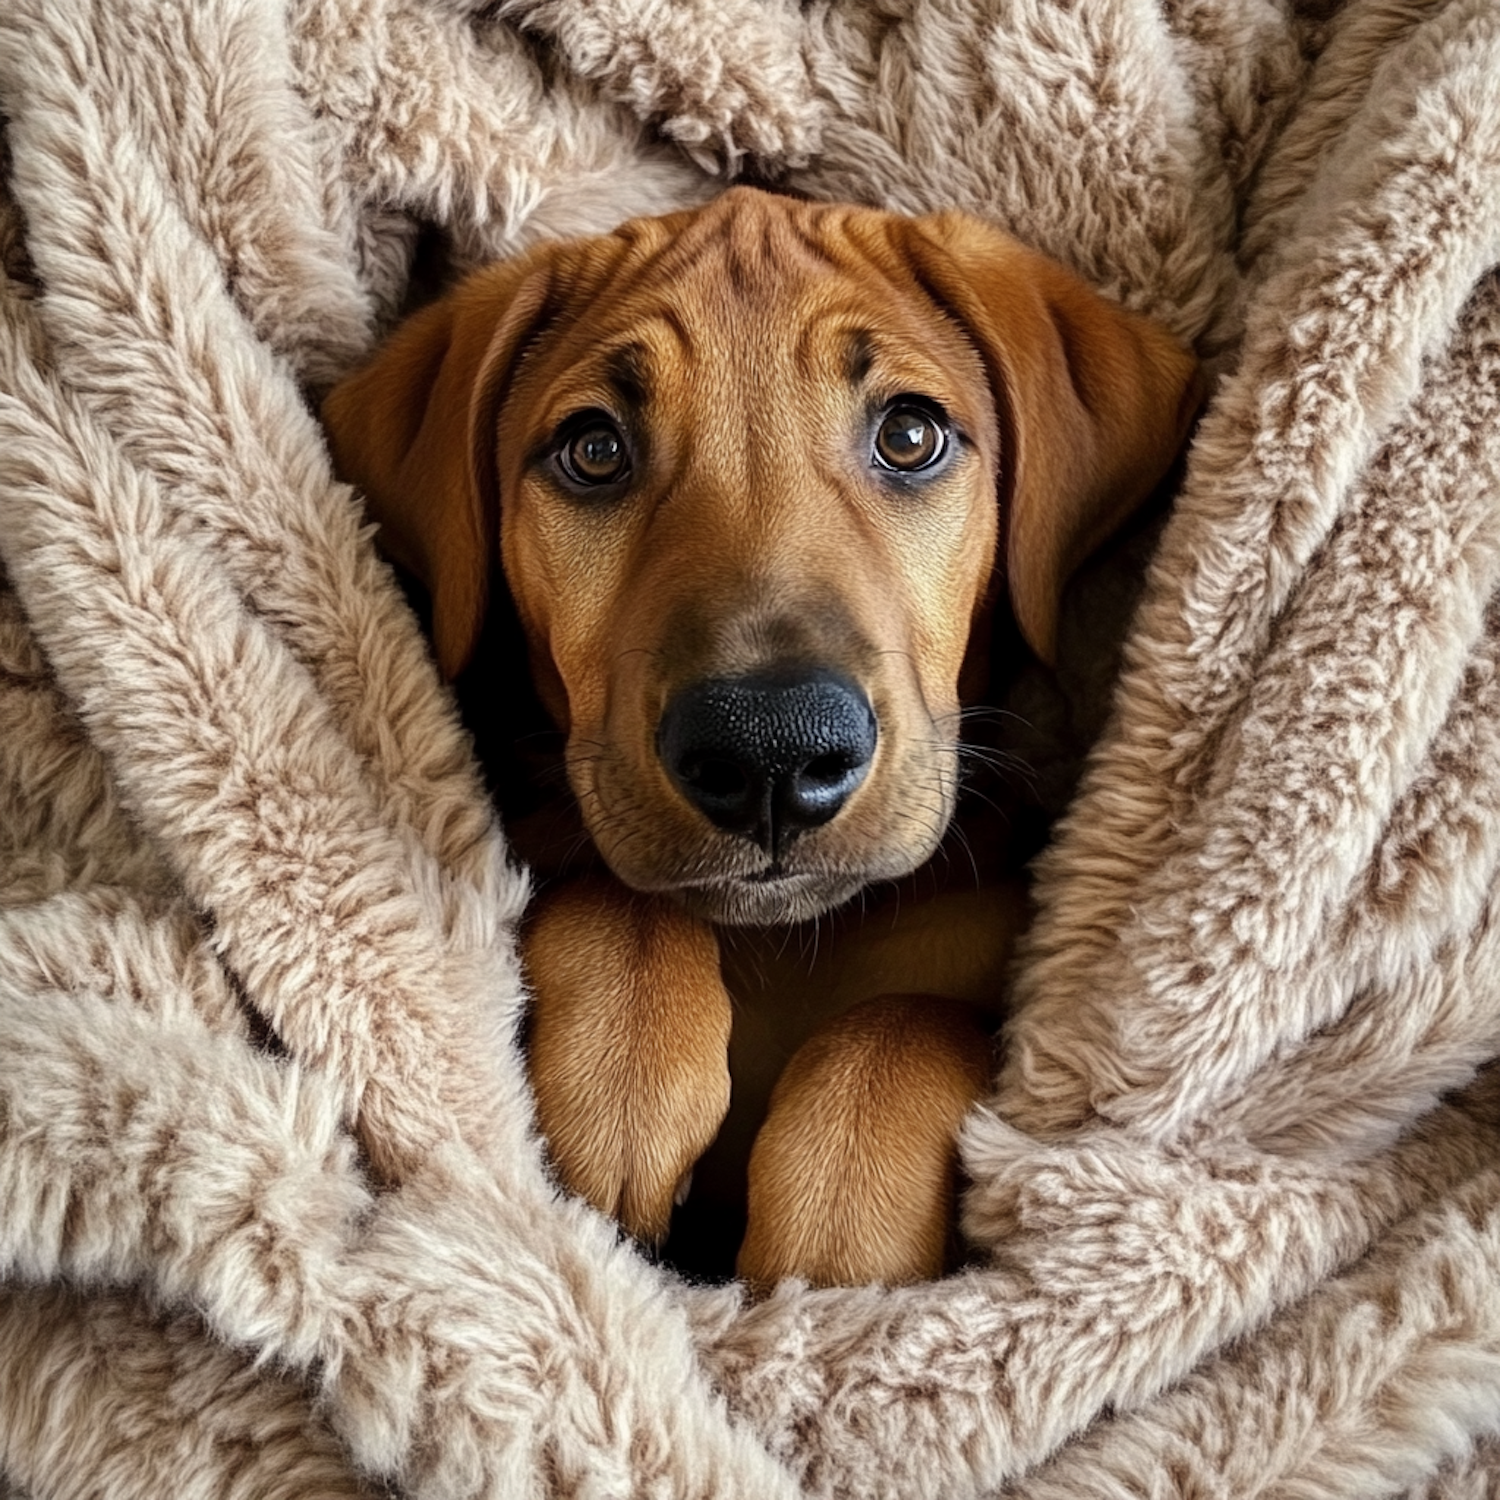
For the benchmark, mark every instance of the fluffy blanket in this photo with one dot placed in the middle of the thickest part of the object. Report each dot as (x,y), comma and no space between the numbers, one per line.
(274,1221)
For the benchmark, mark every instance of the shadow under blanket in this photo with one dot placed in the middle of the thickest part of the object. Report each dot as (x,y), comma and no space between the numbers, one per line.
(1236,1196)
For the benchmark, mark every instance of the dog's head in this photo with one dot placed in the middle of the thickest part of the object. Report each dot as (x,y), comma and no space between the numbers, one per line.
(754,475)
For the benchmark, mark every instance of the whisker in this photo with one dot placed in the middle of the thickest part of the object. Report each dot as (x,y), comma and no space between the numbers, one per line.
(975,713)
(962,839)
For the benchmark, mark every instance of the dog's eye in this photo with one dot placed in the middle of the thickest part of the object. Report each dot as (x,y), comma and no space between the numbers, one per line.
(595,453)
(909,438)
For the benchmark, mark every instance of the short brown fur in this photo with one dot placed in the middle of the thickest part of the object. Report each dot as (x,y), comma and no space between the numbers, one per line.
(742,349)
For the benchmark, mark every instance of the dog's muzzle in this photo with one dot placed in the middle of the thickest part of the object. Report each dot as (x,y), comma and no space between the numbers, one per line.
(769,755)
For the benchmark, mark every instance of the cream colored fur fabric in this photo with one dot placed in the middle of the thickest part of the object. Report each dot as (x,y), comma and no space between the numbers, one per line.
(1238,1195)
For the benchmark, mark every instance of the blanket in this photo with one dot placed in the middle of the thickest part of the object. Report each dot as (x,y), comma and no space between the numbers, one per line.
(274,1218)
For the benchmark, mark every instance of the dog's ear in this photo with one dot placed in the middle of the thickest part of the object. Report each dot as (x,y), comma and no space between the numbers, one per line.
(415,430)
(1094,402)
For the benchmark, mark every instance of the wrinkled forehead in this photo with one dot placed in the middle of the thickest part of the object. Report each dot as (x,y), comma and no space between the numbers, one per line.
(739,306)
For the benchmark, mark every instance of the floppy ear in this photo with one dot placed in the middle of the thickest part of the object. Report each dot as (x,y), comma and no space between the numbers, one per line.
(415,430)
(1094,402)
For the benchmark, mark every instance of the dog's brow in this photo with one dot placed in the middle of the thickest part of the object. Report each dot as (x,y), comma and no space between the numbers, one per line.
(815,348)
(626,369)
(859,356)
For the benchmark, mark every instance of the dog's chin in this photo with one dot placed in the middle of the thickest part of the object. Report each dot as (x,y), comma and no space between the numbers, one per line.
(767,902)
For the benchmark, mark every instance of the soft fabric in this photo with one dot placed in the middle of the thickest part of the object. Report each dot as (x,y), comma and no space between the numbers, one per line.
(274,1221)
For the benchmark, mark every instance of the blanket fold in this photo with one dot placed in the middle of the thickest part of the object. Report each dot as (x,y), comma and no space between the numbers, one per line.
(275,1218)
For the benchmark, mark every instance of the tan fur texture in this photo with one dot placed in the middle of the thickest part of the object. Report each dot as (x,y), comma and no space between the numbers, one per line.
(1234,1197)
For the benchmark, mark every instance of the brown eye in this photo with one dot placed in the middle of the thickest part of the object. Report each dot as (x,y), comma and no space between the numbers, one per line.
(595,453)
(908,439)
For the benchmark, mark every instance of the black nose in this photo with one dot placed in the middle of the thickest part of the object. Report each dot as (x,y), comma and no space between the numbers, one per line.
(770,754)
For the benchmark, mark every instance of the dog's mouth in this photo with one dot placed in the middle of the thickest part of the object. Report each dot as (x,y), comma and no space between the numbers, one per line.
(768,898)
(732,882)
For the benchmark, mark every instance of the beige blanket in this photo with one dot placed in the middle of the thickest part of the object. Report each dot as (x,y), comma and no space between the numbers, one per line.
(273,1218)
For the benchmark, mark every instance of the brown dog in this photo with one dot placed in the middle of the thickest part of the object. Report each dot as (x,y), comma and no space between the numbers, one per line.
(755,477)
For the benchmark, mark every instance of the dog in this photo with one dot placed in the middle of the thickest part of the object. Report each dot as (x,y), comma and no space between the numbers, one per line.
(751,484)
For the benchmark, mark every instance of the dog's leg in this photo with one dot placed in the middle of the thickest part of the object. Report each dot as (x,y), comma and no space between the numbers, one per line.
(853,1175)
(629,1045)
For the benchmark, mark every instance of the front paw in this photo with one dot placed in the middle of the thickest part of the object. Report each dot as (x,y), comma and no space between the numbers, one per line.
(853,1175)
(629,1045)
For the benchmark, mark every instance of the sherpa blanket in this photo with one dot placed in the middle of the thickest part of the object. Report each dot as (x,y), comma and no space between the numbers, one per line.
(274,1221)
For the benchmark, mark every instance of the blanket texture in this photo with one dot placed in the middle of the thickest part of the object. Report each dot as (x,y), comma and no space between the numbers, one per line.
(274,1220)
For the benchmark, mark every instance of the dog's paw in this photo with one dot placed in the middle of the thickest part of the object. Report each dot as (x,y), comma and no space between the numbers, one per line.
(853,1174)
(629,1046)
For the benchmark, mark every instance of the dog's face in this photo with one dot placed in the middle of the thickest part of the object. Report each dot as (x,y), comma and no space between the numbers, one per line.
(748,516)
(745,472)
